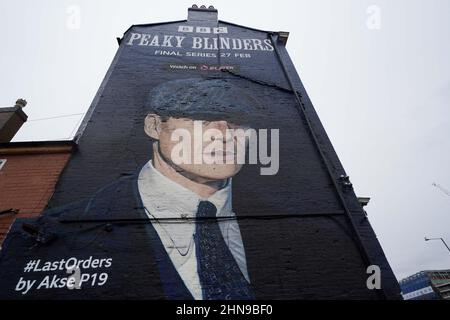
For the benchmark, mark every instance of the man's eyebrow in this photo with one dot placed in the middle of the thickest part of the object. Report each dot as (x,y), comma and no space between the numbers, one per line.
(180,118)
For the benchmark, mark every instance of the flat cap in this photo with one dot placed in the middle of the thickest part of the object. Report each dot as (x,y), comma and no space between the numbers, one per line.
(208,99)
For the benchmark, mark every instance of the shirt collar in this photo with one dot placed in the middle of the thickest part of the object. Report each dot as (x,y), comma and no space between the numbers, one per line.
(168,199)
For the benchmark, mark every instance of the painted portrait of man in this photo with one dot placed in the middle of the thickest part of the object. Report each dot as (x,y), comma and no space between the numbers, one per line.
(190,202)
(168,229)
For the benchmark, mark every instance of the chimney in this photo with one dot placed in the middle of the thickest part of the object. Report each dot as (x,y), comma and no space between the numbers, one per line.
(11,119)
(204,15)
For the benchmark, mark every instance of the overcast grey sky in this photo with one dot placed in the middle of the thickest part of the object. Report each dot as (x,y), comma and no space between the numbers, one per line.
(378,73)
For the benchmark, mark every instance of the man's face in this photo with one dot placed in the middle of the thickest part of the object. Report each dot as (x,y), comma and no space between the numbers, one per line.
(205,149)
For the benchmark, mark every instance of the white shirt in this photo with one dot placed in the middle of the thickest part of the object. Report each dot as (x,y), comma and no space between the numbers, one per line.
(164,198)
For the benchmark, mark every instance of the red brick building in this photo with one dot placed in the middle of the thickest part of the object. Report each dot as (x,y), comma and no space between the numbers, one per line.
(29,171)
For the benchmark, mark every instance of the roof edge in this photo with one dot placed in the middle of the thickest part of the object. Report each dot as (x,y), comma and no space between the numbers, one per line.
(28,144)
(178,21)
(152,24)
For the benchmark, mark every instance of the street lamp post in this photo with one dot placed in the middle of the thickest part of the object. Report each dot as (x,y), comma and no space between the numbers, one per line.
(445,244)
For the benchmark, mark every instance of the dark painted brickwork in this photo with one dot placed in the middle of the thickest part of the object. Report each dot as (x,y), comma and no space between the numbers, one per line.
(298,236)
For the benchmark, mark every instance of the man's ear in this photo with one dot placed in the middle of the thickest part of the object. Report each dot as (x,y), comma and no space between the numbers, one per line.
(152,126)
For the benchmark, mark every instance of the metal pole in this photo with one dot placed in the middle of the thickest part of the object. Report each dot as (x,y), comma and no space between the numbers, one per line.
(445,244)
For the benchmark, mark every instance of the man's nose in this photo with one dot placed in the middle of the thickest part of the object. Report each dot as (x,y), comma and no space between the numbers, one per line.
(221,125)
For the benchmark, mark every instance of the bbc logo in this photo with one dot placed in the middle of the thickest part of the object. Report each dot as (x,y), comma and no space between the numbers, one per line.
(214,30)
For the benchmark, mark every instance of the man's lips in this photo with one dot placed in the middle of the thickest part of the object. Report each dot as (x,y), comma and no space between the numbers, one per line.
(220,152)
(223,153)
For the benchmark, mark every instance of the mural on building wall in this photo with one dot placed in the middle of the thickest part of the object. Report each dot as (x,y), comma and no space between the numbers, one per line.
(196,177)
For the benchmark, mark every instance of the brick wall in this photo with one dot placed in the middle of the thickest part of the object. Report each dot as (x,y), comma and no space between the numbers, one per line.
(27,181)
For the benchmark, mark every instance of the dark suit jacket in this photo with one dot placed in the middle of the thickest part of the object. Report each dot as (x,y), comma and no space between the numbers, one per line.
(111,224)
